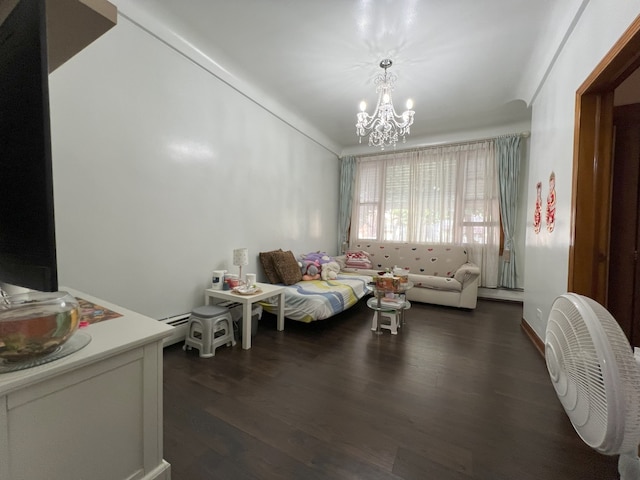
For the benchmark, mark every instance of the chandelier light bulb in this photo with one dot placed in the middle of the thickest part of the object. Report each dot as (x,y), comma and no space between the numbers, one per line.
(385,125)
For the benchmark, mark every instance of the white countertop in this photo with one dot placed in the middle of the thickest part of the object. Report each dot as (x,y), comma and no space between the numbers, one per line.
(108,337)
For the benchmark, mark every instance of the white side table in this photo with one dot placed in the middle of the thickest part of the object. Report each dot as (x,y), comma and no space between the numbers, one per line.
(267,290)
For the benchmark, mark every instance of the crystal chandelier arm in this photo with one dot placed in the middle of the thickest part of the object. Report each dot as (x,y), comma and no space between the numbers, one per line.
(366,119)
(405,119)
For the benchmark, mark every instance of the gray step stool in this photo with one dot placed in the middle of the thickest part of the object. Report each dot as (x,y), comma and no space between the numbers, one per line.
(209,327)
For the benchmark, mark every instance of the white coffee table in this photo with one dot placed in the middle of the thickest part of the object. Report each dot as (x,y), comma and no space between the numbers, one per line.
(266,290)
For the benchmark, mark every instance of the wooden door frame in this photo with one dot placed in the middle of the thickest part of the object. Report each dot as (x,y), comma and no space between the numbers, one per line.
(593,167)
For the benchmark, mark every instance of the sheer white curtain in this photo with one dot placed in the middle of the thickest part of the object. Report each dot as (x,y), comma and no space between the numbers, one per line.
(445,194)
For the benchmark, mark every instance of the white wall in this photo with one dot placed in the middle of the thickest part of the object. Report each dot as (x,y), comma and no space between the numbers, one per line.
(552,130)
(161,169)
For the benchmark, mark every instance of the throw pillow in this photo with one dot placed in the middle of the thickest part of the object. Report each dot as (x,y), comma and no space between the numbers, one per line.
(287,267)
(266,259)
(358,259)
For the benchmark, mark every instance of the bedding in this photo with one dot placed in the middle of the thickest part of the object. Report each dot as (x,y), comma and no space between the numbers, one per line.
(311,300)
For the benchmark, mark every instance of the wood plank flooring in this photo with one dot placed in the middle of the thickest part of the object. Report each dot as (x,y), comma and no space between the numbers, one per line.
(456,395)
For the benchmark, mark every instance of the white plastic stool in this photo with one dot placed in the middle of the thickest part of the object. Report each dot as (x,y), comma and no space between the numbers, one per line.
(209,327)
(392,315)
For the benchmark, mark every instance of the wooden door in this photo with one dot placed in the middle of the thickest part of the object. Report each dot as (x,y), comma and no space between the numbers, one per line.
(593,167)
(624,268)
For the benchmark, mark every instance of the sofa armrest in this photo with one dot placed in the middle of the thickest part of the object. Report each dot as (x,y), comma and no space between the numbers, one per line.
(467,273)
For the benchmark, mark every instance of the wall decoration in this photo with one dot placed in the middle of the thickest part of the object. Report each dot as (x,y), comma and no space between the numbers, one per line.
(551,203)
(537,215)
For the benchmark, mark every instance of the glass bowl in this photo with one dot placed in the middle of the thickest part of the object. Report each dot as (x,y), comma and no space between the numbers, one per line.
(36,323)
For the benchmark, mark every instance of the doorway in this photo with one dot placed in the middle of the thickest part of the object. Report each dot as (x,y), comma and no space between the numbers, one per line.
(623,285)
(593,172)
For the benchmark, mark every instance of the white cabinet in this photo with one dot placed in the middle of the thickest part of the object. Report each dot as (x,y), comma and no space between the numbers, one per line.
(95,414)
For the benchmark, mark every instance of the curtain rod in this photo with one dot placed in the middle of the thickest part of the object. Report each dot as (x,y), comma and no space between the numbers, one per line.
(525,134)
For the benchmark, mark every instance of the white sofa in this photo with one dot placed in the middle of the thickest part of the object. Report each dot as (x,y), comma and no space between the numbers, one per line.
(441,274)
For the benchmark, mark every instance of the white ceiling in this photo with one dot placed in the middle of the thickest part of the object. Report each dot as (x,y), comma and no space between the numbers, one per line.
(467,64)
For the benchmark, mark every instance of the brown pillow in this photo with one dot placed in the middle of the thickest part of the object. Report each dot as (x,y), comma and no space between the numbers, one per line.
(287,267)
(266,259)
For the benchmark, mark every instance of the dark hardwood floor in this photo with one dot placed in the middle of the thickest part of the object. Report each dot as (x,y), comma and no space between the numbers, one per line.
(455,395)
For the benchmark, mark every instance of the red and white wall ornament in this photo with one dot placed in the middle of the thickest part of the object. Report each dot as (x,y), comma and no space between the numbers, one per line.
(550,214)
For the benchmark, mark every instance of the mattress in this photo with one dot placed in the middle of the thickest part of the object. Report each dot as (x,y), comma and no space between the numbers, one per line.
(311,300)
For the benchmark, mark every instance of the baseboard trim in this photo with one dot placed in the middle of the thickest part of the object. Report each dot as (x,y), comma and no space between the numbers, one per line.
(533,336)
(504,294)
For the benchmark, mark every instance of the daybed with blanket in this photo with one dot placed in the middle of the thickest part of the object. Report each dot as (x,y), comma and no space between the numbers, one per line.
(441,274)
(309,300)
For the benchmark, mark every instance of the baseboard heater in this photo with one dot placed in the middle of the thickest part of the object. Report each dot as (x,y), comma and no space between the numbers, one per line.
(179,324)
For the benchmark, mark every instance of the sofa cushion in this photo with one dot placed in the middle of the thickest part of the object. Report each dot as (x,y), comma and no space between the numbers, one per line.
(437,283)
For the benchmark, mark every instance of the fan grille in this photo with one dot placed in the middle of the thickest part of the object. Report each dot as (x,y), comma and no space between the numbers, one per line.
(594,373)
(628,374)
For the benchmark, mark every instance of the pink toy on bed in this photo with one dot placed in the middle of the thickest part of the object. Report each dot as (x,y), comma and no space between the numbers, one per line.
(310,270)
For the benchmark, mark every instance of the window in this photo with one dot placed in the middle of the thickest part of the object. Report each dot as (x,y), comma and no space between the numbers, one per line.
(443,194)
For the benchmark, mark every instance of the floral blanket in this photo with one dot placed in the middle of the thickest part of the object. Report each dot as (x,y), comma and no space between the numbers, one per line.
(311,300)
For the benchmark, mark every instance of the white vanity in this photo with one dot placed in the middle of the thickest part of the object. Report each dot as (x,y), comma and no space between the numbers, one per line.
(95,414)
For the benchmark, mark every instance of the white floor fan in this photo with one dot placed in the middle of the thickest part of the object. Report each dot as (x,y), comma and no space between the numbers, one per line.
(596,377)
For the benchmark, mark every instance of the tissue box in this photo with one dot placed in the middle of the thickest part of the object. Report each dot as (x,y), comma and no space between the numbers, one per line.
(390,284)
(402,274)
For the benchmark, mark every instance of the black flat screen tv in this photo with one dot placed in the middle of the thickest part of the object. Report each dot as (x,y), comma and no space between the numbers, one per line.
(27,225)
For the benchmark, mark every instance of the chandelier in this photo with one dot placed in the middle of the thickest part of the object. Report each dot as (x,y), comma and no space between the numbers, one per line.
(385,125)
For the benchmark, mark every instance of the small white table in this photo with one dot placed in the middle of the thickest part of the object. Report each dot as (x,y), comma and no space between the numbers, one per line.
(267,290)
